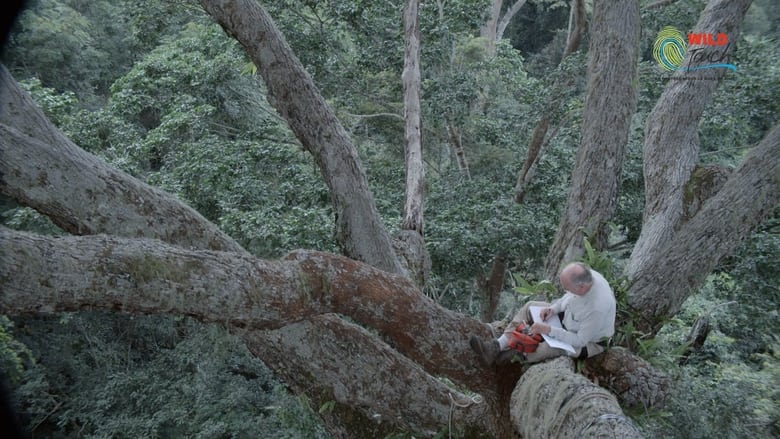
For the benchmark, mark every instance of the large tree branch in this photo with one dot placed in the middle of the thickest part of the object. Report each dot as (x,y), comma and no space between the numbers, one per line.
(43,169)
(292,92)
(137,275)
(671,148)
(296,297)
(747,197)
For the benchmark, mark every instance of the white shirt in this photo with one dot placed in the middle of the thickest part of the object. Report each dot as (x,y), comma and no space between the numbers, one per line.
(587,318)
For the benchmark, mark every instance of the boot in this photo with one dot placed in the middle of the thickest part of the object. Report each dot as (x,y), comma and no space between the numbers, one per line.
(486,351)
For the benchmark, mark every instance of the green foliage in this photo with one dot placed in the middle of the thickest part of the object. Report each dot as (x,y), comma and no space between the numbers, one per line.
(543,288)
(722,400)
(14,355)
(112,376)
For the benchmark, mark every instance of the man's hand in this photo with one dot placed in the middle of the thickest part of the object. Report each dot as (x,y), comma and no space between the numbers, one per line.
(540,328)
(546,313)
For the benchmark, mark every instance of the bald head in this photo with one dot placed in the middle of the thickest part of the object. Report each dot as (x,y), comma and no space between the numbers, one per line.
(576,278)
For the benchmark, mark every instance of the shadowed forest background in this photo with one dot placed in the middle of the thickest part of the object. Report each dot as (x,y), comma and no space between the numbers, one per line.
(158,90)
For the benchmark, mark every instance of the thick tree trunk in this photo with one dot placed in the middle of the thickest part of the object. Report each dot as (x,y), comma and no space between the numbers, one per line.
(292,92)
(671,149)
(665,279)
(44,274)
(609,106)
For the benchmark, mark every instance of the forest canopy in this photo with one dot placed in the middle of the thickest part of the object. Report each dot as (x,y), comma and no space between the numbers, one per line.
(169,95)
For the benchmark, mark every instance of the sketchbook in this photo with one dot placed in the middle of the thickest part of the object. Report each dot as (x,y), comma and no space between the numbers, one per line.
(554,322)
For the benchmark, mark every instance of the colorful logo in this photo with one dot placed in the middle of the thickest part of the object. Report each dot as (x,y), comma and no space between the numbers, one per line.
(669,50)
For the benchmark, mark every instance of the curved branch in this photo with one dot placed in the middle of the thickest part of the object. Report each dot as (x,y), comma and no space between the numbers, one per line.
(744,201)
(508,17)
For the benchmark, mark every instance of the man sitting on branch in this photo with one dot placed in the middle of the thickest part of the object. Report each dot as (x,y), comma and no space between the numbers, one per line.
(586,312)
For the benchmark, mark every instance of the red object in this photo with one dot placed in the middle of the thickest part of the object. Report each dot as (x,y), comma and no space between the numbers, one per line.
(521,341)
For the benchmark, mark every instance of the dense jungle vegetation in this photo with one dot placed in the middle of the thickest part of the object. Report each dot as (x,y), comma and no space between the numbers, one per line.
(158,90)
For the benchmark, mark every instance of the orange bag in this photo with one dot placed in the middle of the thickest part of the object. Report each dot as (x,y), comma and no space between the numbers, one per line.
(520,339)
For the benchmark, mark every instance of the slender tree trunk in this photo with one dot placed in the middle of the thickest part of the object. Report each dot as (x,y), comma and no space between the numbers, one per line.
(576,27)
(415,171)
(666,278)
(532,157)
(609,106)
(671,148)
(490,286)
(453,134)
(507,18)
(292,92)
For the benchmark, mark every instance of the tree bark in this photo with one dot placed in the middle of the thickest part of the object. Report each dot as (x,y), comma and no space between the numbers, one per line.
(490,287)
(292,92)
(671,148)
(409,244)
(633,380)
(489,29)
(532,157)
(609,106)
(665,280)
(573,407)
